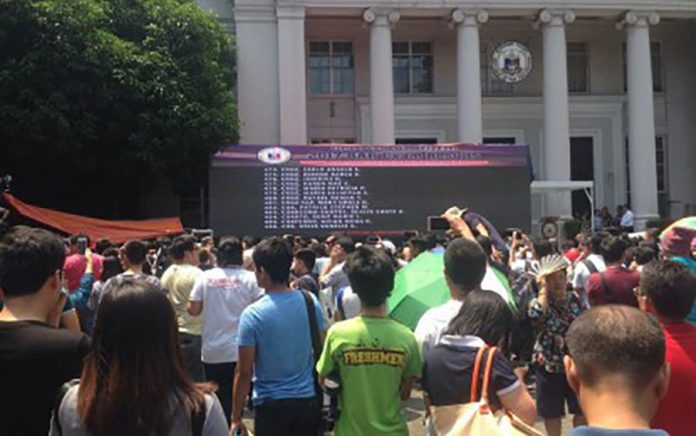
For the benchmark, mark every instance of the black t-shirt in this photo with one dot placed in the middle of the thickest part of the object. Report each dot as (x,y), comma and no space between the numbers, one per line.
(449,366)
(35,360)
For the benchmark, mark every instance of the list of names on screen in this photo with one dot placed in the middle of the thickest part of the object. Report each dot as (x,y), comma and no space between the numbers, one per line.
(318,198)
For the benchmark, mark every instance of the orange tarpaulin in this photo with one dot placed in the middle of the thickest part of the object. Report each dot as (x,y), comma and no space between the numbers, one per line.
(115,231)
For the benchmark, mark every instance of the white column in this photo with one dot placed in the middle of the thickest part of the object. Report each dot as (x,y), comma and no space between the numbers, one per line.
(381,76)
(257,71)
(641,116)
(556,142)
(469,118)
(291,75)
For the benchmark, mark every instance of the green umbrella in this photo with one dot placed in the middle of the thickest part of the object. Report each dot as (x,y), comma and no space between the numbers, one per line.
(418,286)
(421,285)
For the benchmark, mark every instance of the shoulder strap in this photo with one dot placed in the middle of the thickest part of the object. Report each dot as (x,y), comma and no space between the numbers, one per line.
(487,374)
(314,332)
(590,266)
(605,285)
(198,419)
(339,302)
(313,325)
(62,391)
(473,397)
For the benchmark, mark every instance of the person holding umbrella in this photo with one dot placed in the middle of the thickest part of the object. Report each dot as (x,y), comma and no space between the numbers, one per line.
(421,285)
(493,280)
(465,266)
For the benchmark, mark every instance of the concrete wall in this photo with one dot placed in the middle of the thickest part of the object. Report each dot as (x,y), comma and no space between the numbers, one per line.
(600,114)
(678,123)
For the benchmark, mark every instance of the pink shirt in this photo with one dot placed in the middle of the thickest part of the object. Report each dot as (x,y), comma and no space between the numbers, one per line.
(75,266)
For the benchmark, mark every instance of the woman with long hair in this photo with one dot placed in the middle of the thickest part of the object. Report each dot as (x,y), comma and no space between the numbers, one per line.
(134,381)
(484,320)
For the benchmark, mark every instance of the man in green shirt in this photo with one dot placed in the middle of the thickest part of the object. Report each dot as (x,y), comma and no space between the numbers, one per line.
(376,358)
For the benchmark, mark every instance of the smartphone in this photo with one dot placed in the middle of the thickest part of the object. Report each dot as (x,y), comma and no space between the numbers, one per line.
(82,245)
(511,231)
(437,223)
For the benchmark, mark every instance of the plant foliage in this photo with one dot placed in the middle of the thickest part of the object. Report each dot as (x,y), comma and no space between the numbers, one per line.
(104,95)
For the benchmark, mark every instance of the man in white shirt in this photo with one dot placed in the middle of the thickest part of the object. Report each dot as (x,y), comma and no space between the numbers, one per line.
(333,275)
(593,262)
(348,304)
(221,294)
(627,220)
(465,267)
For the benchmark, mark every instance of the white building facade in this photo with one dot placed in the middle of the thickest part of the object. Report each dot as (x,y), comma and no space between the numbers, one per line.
(611,96)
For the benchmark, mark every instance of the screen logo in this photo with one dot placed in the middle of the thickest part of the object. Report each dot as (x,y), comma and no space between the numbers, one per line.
(274,155)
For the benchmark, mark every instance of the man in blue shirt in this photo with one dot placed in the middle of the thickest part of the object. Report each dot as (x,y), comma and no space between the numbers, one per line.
(275,346)
(616,365)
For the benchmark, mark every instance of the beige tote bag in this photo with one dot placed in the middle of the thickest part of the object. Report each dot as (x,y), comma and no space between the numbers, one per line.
(476,417)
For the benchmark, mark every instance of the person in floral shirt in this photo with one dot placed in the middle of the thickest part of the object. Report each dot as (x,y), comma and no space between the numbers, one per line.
(551,313)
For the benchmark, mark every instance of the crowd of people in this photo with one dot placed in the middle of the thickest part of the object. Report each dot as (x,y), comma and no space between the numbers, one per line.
(624,220)
(183,336)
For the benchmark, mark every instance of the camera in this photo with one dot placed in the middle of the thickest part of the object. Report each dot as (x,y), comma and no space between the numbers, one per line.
(5,183)
(82,245)
(509,232)
(436,223)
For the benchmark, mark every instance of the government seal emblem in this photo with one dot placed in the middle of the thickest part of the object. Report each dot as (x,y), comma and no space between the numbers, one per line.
(512,62)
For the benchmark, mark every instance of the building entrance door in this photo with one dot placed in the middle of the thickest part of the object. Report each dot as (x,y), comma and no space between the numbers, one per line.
(581,168)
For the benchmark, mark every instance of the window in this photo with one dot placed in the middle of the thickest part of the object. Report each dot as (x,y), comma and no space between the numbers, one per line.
(417,141)
(663,200)
(498,140)
(413,67)
(331,67)
(490,84)
(662,181)
(656,63)
(578,67)
(333,141)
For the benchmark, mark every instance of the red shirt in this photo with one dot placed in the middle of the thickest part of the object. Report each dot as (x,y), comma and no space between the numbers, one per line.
(75,266)
(676,413)
(620,282)
(572,255)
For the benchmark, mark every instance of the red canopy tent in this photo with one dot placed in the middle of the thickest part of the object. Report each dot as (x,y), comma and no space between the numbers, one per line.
(115,231)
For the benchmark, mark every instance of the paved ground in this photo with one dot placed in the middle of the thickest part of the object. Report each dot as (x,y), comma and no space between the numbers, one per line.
(414,411)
